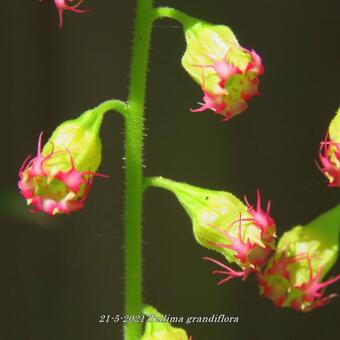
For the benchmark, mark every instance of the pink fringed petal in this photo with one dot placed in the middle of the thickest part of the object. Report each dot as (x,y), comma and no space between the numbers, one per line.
(328,167)
(228,271)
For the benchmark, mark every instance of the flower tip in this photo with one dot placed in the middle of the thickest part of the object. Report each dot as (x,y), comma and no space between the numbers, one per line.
(200,109)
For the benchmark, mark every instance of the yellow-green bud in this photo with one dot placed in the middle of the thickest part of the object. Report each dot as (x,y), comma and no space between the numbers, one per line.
(334,128)
(227,72)
(241,233)
(157,328)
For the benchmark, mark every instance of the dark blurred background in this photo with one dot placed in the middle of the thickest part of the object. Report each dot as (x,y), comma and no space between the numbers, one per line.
(60,274)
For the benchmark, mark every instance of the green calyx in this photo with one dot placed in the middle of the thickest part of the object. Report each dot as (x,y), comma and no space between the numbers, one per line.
(77,139)
(208,44)
(212,213)
(318,241)
(157,328)
(334,128)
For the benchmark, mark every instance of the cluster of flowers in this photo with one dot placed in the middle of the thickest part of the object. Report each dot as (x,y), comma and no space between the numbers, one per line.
(290,272)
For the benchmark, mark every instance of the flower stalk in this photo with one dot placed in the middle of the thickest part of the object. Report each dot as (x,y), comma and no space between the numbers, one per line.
(134,125)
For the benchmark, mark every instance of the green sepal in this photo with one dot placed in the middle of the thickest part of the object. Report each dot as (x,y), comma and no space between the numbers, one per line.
(77,138)
(211,212)
(206,44)
(161,330)
(334,128)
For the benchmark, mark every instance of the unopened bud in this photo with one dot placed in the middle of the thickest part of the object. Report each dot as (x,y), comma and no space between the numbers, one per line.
(157,328)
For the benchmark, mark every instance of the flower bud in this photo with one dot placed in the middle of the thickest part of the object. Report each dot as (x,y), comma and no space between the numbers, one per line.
(58,178)
(304,255)
(244,235)
(228,73)
(157,328)
(329,153)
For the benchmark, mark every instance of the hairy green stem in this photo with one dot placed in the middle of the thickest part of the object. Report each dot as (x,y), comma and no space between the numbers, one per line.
(159,182)
(172,13)
(151,311)
(134,124)
(113,104)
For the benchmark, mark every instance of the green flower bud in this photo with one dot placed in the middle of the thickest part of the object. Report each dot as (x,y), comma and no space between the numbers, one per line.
(334,128)
(80,138)
(242,234)
(58,179)
(157,328)
(227,72)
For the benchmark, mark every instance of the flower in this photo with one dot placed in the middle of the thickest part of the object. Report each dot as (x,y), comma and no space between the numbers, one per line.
(57,180)
(228,73)
(251,249)
(275,281)
(304,255)
(65,5)
(244,235)
(262,219)
(329,152)
(329,155)
(308,294)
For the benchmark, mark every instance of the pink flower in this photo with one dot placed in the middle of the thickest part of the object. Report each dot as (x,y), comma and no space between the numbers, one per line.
(234,85)
(242,251)
(227,72)
(51,187)
(329,155)
(274,282)
(65,5)
(241,248)
(262,219)
(310,293)
(227,271)
(277,284)
(279,266)
(252,244)
(277,292)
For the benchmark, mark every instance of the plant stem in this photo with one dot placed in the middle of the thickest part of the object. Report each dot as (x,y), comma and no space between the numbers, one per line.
(159,182)
(113,104)
(149,310)
(134,167)
(172,13)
